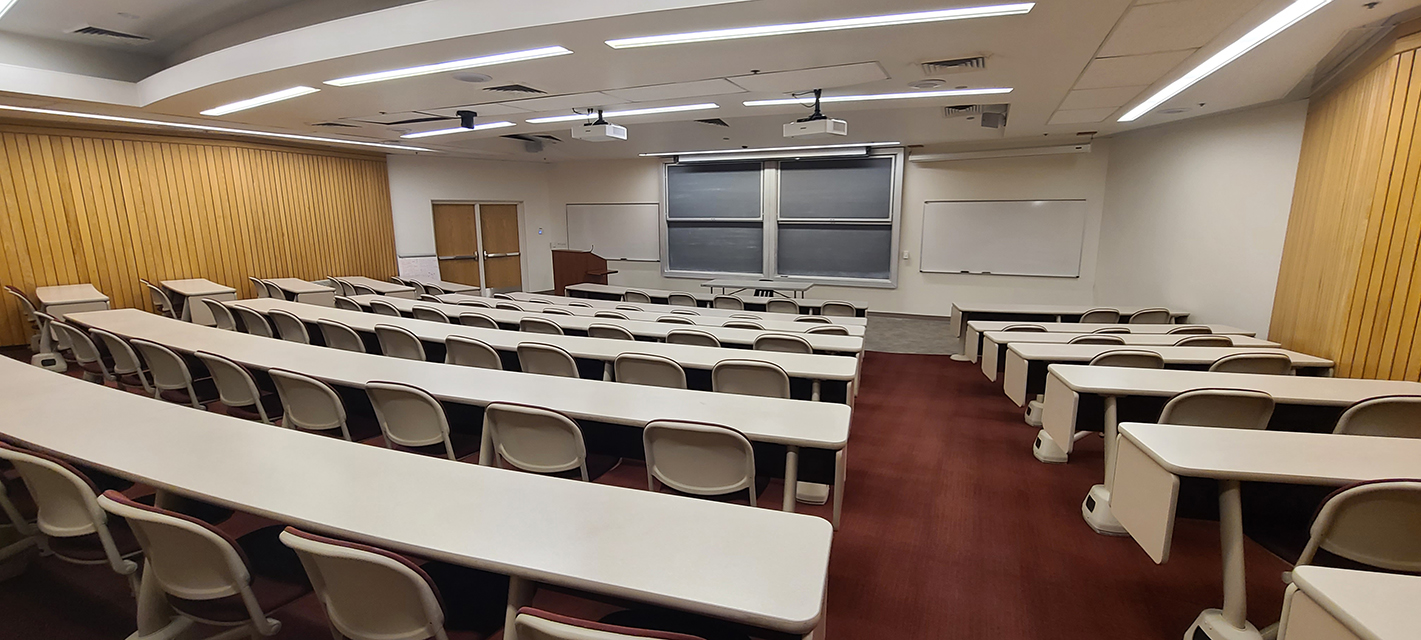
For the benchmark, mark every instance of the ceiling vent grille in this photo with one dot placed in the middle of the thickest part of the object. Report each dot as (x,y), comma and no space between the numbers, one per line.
(959,111)
(100,32)
(514,88)
(715,122)
(955,65)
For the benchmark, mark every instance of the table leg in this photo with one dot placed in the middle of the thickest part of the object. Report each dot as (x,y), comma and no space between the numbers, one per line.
(814,393)
(840,466)
(791,477)
(1231,622)
(1096,507)
(520,594)
(156,620)
(486,448)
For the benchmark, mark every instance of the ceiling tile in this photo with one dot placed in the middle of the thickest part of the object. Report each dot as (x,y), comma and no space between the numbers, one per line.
(845,75)
(1129,71)
(1082,116)
(487,109)
(714,87)
(1171,26)
(1096,98)
(563,103)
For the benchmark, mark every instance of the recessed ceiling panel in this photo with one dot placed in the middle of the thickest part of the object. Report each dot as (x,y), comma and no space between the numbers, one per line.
(714,87)
(846,75)
(1082,116)
(1129,71)
(1096,98)
(487,109)
(563,103)
(1171,26)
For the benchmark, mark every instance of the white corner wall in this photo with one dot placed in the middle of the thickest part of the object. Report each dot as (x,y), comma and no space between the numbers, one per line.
(1196,213)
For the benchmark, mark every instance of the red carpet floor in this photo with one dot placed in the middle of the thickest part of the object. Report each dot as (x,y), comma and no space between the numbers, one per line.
(951,530)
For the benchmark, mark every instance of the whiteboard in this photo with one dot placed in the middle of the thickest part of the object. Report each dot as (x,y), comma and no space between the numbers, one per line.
(425,268)
(616,231)
(1004,237)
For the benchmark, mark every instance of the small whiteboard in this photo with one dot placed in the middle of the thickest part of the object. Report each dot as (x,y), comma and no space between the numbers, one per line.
(424,268)
(1004,237)
(616,231)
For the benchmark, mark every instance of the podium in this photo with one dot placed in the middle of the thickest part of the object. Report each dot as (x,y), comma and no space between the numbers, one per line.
(575,267)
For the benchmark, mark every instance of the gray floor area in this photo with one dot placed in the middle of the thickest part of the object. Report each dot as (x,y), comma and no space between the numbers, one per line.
(903,334)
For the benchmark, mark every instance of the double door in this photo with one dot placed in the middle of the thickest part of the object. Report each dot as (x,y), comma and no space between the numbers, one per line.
(478,245)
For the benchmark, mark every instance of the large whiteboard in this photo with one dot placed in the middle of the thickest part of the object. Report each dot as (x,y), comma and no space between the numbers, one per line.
(1004,237)
(616,231)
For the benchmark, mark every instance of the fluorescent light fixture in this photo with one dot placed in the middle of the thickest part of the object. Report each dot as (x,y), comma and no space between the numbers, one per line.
(5,6)
(960,13)
(772,155)
(622,114)
(846,145)
(1260,34)
(949,93)
(211,129)
(445,132)
(1002,153)
(452,65)
(242,105)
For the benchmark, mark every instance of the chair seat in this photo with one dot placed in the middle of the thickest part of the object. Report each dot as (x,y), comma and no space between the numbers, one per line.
(762,482)
(466,447)
(205,388)
(277,580)
(669,621)
(88,549)
(270,402)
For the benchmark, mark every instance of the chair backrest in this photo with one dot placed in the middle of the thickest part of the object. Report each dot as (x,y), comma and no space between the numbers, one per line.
(1100,315)
(1231,408)
(574,303)
(428,289)
(675,319)
(1191,328)
(546,359)
(539,325)
(750,378)
(1025,327)
(781,305)
(838,308)
(539,301)
(650,370)
(1152,315)
(743,324)
(1116,329)
(220,314)
(685,312)
(727,302)
(399,342)
(26,304)
(501,296)
(700,459)
(66,501)
(363,290)
(629,307)
(633,295)
(291,328)
(161,303)
(339,335)
(409,417)
(168,369)
(1097,338)
(611,331)
(609,314)
(253,322)
(425,297)
(384,308)
(125,360)
(535,439)
(259,288)
(369,593)
(692,336)
(1278,364)
(507,306)
(342,287)
(558,311)
(829,329)
(308,404)
(273,291)
(476,319)
(681,299)
(1202,340)
(235,386)
(1390,416)
(1374,523)
(85,352)
(476,303)
(536,624)
(814,319)
(782,342)
(343,302)
(188,558)
(422,312)
(469,352)
(1138,358)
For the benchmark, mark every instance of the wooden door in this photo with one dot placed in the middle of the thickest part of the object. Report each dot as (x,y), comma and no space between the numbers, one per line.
(456,242)
(503,270)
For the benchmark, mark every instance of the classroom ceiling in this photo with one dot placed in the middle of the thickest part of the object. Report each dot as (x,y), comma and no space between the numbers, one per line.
(1073,66)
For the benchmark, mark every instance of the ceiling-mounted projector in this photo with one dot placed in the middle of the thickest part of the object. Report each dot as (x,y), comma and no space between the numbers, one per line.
(599,131)
(816,125)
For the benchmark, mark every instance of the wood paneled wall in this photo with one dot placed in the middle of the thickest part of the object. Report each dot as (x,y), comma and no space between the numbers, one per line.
(1350,283)
(110,208)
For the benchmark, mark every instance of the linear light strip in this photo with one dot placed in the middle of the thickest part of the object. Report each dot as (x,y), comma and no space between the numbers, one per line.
(203,127)
(949,93)
(242,105)
(452,65)
(960,13)
(445,132)
(5,5)
(1260,34)
(626,113)
(799,148)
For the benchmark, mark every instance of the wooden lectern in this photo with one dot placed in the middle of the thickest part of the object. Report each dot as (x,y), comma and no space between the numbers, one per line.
(575,267)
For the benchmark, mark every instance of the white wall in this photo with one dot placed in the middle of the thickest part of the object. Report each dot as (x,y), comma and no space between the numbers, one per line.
(1196,212)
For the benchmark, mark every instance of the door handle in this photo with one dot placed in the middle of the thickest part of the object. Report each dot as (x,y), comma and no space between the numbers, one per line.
(500,255)
(471,257)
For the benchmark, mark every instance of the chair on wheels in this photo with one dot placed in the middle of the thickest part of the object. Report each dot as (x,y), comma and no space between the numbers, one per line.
(546,359)
(539,325)
(238,391)
(127,369)
(838,308)
(291,328)
(1100,315)
(692,336)
(1389,416)
(469,352)
(1204,340)
(1278,364)
(782,342)
(220,314)
(476,319)
(399,342)
(412,420)
(172,380)
(536,440)
(339,335)
(650,370)
(1138,358)
(699,459)
(422,312)
(609,331)
(1093,338)
(253,323)
(1152,315)
(385,309)
(681,299)
(781,305)
(308,404)
(727,302)
(633,295)
(161,302)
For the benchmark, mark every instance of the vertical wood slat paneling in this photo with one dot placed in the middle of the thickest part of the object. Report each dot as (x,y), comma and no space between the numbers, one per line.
(109,208)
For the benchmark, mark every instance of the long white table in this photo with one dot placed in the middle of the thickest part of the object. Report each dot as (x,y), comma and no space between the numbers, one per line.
(449,287)
(305,291)
(965,312)
(187,295)
(794,424)
(383,287)
(777,322)
(757,567)
(994,343)
(1152,458)
(972,342)
(67,298)
(852,322)
(756,285)
(753,303)
(1324,603)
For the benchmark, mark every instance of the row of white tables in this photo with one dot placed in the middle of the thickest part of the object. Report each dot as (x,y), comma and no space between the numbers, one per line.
(995,343)
(382,287)
(662,308)
(966,312)
(756,303)
(976,330)
(781,322)
(757,567)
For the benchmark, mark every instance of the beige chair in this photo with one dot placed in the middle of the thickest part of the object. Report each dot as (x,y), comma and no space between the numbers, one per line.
(162,304)
(1201,340)
(259,288)
(508,306)
(425,297)
(253,322)
(829,329)
(86,353)
(1025,327)
(220,314)
(540,301)
(428,289)
(539,325)
(629,307)
(681,299)
(557,311)
(782,342)
(50,341)
(399,342)
(691,336)
(421,312)
(1152,315)
(750,378)
(1389,416)
(633,295)
(274,291)
(476,319)
(674,319)
(343,302)
(1116,329)
(29,310)
(649,370)
(126,367)
(172,380)
(536,624)
(743,324)
(291,328)
(781,305)
(1191,328)
(698,459)
(309,404)
(1138,358)
(1373,523)
(501,296)
(411,419)
(342,287)
(476,303)
(609,314)
(385,309)
(238,391)
(206,574)
(546,359)
(1229,408)
(727,302)
(582,305)
(838,308)
(339,335)
(1100,315)
(469,352)
(814,319)
(534,439)
(363,290)
(685,312)
(1102,338)
(1278,364)
(609,331)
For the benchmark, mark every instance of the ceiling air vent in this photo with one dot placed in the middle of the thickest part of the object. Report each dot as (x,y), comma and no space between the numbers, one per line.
(959,111)
(100,32)
(955,65)
(715,122)
(514,88)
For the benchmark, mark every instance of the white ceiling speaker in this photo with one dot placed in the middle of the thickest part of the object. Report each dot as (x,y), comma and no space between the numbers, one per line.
(930,83)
